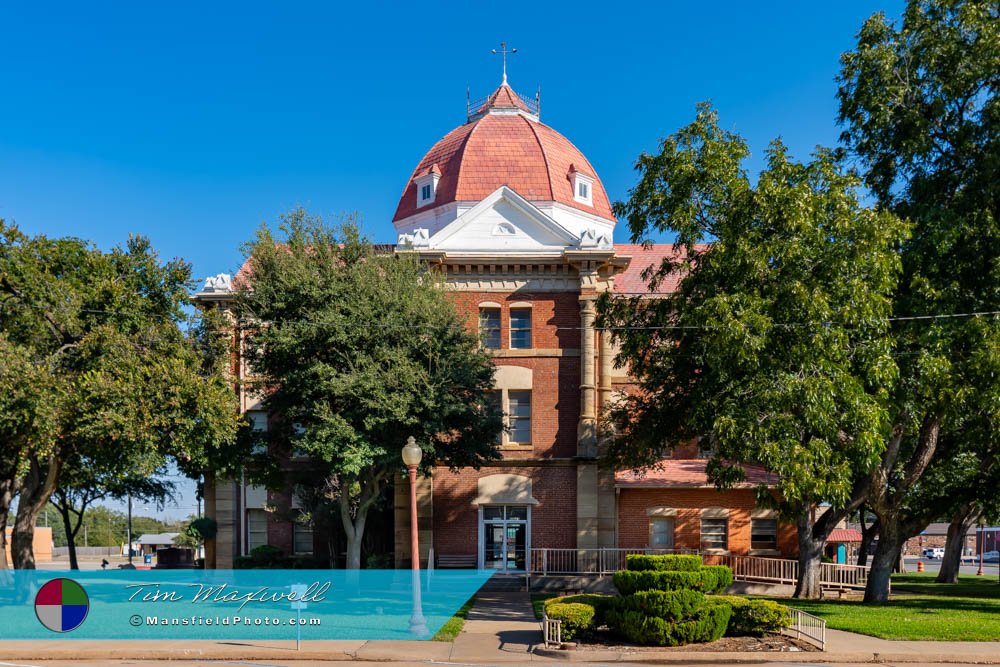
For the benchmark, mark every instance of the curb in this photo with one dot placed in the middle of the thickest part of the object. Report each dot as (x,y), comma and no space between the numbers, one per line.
(747,658)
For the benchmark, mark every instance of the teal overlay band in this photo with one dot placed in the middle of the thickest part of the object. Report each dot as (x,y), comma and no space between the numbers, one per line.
(245,604)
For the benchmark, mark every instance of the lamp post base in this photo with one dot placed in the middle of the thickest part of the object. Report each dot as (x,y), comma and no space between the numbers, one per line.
(418,625)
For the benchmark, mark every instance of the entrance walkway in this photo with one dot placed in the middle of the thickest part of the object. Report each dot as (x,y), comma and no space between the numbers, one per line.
(501,624)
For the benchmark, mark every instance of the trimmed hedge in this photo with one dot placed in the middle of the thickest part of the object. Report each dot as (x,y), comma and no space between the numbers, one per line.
(723,577)
(709,579)
(671,606)
(754,618)
(707,625)
(601,603)
(577,618)
(670,563)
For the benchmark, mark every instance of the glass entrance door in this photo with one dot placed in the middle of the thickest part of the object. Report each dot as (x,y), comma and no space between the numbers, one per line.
(505,537)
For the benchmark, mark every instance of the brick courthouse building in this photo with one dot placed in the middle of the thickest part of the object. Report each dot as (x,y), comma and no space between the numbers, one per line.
(517,219)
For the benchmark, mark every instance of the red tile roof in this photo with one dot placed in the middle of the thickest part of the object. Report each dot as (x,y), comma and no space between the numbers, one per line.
(504,149)
(686,473)
(631,280)
(844,535)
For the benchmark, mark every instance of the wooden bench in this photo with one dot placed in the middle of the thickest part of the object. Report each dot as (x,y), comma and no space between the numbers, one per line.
(456,561)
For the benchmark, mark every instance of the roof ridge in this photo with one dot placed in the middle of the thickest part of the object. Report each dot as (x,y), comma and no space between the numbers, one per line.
(461,162)
(545,156)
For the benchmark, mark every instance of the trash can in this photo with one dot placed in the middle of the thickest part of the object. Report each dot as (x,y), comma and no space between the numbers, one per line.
(147,559)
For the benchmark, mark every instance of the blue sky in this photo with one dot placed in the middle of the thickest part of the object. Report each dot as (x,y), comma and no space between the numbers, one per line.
(194,123)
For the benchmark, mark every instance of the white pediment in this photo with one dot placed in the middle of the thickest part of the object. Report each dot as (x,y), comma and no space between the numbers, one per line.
(503,222)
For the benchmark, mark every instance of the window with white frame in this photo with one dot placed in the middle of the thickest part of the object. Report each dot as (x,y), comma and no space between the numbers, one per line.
(764,534)
(256,528)
(714,530)
(519,417)
(520,328)
(427,188)
(489,327)
(583,187)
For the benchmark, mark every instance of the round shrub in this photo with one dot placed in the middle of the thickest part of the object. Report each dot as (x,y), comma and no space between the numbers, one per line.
(671,563)
(671,606)
(598,601)
(577,618)
(708,579)
(753,618)
(707,625)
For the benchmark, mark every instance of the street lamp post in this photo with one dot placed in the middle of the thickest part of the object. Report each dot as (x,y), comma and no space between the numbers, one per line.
(411,457)
(982,546)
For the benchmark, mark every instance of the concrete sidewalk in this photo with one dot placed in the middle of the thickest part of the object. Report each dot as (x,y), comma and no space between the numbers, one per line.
(500,628)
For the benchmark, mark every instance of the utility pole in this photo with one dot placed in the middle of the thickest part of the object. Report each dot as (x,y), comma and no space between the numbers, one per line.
(129,529)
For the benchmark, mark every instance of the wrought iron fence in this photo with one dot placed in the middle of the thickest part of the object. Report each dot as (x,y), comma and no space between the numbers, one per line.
(808,627)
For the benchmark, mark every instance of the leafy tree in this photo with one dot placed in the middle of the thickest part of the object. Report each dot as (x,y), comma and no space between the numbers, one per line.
(357,348)
(115,370)
(775,345)
(84,482)
(26,415)
(920,109)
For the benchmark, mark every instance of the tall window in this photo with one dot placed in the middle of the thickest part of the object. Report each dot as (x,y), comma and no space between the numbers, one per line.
(764,534)
(520,328)
(583,190)
(495,400)
(256,528)
(661,532)
(519,416)
(302,538)
(425,192)
(489,327)
(714,534)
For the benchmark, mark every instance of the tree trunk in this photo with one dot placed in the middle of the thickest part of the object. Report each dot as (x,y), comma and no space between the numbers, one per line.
(884,561)
(70,536)
(37,487)
(7,488)
(868,536)
(354,529)
(810,560)
(964,519)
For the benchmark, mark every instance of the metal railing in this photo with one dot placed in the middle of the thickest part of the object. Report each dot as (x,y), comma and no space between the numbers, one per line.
(588,561)
(551,631)
(758,569)
(755,568)
(808,627)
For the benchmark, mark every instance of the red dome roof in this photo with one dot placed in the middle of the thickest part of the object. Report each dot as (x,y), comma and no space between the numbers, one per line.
(507,148)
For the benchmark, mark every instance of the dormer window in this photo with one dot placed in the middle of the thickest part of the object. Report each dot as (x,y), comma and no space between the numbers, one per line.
(427,186)
(583,186)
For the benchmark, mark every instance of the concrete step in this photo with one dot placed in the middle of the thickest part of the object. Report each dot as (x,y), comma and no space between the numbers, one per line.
(504,583)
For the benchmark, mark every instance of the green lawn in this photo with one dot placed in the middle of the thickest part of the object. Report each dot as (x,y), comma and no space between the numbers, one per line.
(919,609)
(453,626)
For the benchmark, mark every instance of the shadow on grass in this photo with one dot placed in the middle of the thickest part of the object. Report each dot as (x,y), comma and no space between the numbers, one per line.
(968,586)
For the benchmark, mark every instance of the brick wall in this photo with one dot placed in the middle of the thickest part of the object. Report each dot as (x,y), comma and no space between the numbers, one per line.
(633,520)
(555,398)
(456,518)
(555,316)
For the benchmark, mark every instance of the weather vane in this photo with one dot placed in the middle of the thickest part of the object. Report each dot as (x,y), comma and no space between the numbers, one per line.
(503,52)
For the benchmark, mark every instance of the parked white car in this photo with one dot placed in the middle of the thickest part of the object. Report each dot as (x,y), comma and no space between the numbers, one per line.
(934,552)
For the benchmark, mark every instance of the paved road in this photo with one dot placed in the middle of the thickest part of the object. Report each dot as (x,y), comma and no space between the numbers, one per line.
(344,663)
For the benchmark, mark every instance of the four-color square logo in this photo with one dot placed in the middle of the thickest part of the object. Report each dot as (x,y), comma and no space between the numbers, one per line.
(61,605)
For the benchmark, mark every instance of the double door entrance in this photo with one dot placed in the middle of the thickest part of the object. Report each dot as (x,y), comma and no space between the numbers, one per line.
(504,537)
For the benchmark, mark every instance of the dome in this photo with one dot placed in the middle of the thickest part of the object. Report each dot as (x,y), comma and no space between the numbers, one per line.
(504,143)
